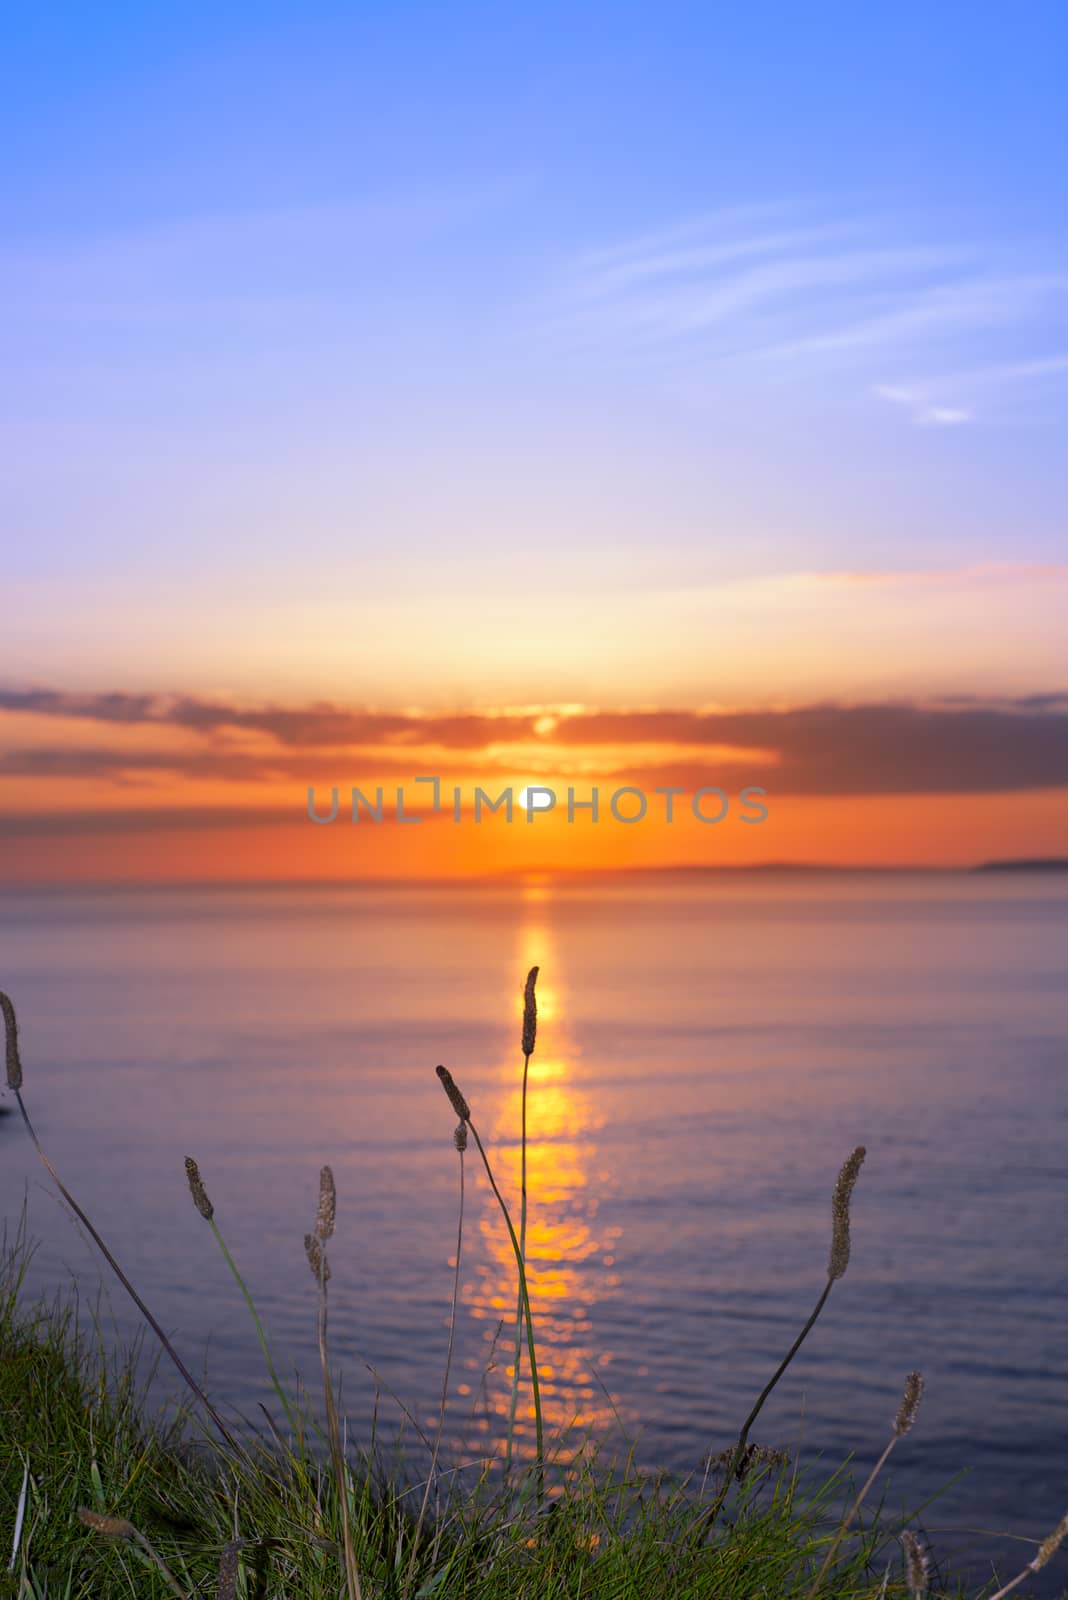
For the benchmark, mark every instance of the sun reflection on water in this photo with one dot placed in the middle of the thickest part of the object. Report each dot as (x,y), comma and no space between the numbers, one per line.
(570,1253)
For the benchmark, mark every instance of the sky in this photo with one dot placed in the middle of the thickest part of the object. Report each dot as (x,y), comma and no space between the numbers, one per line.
(615,394)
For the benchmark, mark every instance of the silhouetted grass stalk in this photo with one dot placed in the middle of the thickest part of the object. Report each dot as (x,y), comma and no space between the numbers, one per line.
(460,1138)
(524,1291)
(530,1026)
(14,1083)
(906,1416)
(463,1111)
(1046,1549)
(839,1260)
(207,1211)
(315,1248)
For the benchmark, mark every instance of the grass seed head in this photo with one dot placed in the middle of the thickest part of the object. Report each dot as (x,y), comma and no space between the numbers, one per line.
(228,1570)
(11,1043)
(460,1137)
(197,1190)
(1050,1546)
(317,1258)
(113,1527)
(916,1568)
(530,1013)
(327,1213)
(752,1457)
(910,1404)
(843,1190)
(456,1099)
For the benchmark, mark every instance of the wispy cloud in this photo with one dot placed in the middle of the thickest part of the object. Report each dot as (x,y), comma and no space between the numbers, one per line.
(961,746)
(784,297)
(999,574)
(961,396)
(920,409)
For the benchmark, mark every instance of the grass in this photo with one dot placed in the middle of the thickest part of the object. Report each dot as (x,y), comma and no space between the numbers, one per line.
(102,1497)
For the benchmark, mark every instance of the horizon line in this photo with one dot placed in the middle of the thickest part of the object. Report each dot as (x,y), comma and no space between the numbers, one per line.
(1023,864)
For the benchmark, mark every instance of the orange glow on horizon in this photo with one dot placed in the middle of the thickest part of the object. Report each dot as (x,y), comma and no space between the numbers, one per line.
(137,787)
(885,831)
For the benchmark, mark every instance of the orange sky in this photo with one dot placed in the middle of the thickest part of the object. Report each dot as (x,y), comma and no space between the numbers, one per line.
(922,830)
(121,786)
(894,717)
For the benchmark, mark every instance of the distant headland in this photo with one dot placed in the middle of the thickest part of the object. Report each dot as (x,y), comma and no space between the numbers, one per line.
(1026,864)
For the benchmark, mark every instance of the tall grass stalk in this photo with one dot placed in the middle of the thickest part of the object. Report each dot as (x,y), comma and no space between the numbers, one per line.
(530,1027)
(903,1422)
(14,1083)
(463,1111)
(836,1266)
(207,1211)
(315,1248)
(460,1138)
(1046,1549)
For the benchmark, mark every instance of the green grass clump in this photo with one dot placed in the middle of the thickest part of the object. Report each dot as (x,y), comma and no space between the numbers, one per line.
(82,1428)
(73,1433)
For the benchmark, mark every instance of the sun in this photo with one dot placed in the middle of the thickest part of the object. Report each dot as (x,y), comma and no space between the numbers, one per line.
(542,799)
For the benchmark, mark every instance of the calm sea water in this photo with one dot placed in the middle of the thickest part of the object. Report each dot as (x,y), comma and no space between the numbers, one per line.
(709,1050)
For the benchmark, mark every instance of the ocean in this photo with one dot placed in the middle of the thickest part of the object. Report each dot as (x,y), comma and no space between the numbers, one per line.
(710,1048)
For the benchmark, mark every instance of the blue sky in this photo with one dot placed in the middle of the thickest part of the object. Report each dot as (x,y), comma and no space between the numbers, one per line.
(324,307)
